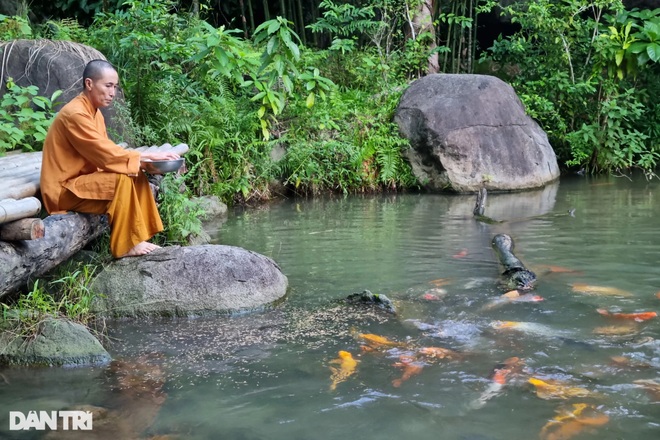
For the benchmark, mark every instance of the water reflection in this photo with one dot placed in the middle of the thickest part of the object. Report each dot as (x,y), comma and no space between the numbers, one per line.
(464,364)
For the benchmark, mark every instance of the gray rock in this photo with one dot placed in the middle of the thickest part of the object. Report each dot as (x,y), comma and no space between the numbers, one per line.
(60,343)
(471,131)
(212,206)
(55,65)
(189,281)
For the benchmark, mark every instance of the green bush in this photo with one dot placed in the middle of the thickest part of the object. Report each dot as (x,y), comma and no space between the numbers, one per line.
(24,117)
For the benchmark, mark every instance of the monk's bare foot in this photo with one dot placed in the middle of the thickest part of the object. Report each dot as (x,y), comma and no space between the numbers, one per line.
(140,249)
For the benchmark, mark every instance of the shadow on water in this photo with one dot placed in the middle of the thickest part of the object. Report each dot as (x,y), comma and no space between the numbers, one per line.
(456,362)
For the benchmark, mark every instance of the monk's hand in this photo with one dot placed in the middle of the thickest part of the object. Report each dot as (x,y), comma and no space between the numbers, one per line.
(159,155)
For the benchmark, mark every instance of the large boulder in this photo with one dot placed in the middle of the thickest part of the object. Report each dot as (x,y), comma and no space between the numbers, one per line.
(189,281)
(471,131)
(59,343)
(56,65)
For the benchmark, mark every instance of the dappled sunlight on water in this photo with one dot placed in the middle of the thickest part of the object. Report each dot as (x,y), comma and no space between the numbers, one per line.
(458,360)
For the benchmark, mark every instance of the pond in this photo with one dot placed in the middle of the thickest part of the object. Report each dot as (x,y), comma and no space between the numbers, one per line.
(451,366)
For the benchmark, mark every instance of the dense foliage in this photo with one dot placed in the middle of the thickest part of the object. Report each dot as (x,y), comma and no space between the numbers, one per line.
(588,72)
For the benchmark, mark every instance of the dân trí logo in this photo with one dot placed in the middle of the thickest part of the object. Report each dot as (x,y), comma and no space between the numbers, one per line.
(54,420)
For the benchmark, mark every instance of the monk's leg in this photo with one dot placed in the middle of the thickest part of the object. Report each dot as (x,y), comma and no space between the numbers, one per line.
(134,217)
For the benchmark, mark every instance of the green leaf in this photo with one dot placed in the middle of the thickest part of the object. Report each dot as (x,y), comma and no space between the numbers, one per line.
(653,51)
(309,102)
(619,57)
(273,26)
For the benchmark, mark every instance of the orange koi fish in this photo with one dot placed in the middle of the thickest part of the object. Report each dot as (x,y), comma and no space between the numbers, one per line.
(410,368)
(440,282)
(347,366)
(376,341)
(531,328)
(639,317)
(569,423)
(501,375)
(462,254)
(548,268)
(510,297)
(657,295)
(552,389)
(589,289)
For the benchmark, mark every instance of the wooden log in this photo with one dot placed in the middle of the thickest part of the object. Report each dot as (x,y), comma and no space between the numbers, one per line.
(16,209)
(23,229)
(65,235)
(480,204)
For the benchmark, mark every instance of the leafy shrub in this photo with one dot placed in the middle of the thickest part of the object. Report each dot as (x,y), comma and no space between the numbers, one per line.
(24,117)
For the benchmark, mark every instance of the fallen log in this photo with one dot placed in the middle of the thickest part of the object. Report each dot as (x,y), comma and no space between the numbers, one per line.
(66,234)
(23,229)
(11,209)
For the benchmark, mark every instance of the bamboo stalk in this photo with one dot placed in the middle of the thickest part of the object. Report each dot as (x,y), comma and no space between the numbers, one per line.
(20,191)
(19,172)
(20,180)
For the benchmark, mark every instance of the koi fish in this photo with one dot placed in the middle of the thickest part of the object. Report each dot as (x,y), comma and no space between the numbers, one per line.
(547,268)
(440,282)
(462,254)
(657,295)
(499,378)
(548,390)
(623,361)
(510,297)
(589,289)
(347,366)
(650,385)
(639,317)
(628,328)
(435,294)
(376,341)
(526,327)
(410,368)
(569,423)
(438,353)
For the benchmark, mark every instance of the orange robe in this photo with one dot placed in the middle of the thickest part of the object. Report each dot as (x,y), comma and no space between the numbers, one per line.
(82,170)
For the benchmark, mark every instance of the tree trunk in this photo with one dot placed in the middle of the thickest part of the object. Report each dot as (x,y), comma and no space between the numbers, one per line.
(251,14)
(301,25)
(422,21)
(266,11)
(23,229)
(66,235)
(243,20)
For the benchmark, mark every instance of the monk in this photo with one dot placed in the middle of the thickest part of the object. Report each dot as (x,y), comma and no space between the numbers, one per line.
(84,171)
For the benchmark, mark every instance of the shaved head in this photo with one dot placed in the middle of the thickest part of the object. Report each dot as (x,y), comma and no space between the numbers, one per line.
(95,69)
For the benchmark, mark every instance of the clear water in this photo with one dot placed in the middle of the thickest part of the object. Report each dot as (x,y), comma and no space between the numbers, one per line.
(267,376)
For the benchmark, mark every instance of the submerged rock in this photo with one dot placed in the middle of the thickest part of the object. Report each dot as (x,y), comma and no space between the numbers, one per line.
(368,298)
(189,281)
(60,342)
